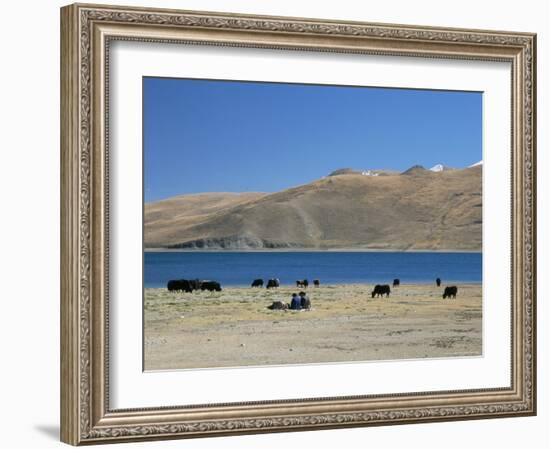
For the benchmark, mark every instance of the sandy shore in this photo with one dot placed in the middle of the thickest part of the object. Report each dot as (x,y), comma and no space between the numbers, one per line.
(235,328)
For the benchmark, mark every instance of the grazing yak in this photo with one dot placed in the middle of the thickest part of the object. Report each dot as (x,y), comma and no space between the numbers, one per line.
(438,282)
(396,282)
(211,286)
(381,290)
(450,292)
(257,283)
(179,285)
(173,285)
(188,285)
(278,305)
(273,283)
(303,283)
(316,282)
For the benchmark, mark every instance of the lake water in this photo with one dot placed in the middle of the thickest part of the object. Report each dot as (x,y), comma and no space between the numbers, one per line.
(241,268)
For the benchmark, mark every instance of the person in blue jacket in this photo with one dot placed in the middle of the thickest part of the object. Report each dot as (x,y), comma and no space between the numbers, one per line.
(305,302)
(296,303)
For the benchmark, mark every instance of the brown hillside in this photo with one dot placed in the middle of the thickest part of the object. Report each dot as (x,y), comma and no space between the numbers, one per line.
(419,210)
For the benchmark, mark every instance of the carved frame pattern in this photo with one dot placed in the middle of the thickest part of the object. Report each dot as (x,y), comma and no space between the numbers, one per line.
(86,417)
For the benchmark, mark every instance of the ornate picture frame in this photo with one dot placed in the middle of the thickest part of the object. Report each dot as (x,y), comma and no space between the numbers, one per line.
(87,32)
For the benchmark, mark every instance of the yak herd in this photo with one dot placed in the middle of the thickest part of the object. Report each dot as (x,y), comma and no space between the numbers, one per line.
(380,290)
(189,285)
(274,283)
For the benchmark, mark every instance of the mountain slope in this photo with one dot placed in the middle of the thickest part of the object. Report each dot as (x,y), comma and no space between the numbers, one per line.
(164,220)
(417,210)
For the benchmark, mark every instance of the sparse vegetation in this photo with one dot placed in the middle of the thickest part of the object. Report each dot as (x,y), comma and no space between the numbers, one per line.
(204,329)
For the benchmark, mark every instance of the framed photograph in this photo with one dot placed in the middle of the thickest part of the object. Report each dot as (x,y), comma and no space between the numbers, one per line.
(279,224)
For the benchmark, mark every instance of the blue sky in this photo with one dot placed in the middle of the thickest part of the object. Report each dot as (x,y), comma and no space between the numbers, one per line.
(227,136)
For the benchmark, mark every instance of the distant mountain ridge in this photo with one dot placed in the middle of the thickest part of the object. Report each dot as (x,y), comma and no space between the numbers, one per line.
(419,209)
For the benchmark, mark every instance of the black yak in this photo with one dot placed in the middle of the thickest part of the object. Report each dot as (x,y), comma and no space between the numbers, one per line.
(211,286)
(450,292)
(257,283)
(273,283)
(381,290)
(179,285)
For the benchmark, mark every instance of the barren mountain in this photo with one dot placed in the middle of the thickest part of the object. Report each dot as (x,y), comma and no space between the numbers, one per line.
(418,209)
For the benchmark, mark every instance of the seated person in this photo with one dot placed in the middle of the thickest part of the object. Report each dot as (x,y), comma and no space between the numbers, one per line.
(305,302)
(296,303)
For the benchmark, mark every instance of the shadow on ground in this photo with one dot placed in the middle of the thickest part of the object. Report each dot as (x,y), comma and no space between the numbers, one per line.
(51,431)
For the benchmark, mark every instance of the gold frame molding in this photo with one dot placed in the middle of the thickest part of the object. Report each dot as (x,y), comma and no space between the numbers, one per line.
(86,31)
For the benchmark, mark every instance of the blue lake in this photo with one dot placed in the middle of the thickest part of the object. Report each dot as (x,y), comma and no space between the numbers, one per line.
(240,268)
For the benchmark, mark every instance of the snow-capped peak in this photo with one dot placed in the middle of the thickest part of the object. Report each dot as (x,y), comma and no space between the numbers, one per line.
(476,164)
(369,173)
(437,167)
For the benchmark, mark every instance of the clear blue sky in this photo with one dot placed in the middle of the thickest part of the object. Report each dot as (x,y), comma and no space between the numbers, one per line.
(226,136)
